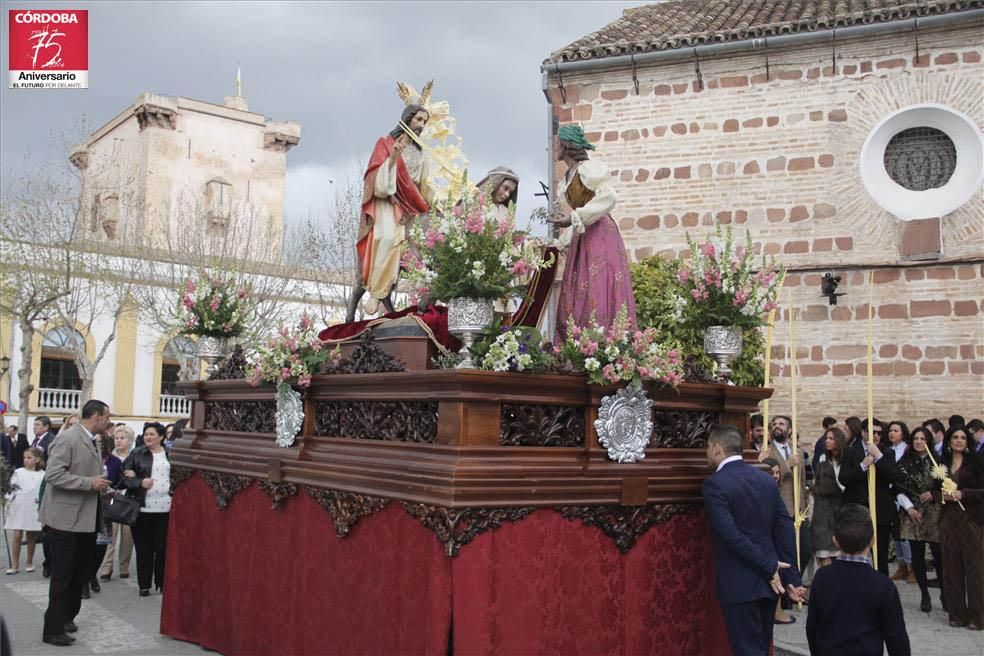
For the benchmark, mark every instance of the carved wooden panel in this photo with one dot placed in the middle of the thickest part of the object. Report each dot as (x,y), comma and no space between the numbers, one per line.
(233,367)
(179,474)
(378,420)
(541,425)
(625,524)
(346,508)
(682,428)
(241,416)
(456,527)
(277,492)
(368,358)
(225,486)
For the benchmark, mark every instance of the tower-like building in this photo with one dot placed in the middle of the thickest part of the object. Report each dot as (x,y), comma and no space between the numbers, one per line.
(166,168)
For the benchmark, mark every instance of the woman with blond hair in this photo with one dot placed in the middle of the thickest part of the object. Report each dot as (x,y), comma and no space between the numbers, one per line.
(122,538)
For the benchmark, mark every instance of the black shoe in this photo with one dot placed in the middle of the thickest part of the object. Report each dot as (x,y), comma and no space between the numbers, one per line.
(45,571)
(94,586)
(58,639)
(933,583)
(145,593)
(85,591)
(124,576)
(105,577)
(71,627)
(925,605)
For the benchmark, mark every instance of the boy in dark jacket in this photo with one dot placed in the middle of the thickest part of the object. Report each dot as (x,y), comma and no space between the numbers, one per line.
(854,609)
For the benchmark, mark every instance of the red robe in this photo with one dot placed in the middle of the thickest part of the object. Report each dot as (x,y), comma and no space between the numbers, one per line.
(409,200)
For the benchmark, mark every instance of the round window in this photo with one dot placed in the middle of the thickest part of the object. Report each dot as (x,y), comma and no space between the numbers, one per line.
(922,161)
(921,158)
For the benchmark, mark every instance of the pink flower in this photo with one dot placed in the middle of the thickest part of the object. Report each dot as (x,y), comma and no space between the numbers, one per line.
(188,302)
(609,374)
(433,238)
(214,304)
(290,344)
(707,249)
(284,331)
(255,378)
(590,348)
(741,297)
(305,321)
(457,211)
(683,275)
(304,381)
(241,292)
(503,229)
(285,373)
(645,372)
(474,224)
(316,344)
(520,268)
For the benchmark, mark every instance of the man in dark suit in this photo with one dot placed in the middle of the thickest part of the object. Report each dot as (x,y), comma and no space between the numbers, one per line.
(43,435)
(70,514)
(20,445)
(853,475)
(753,543)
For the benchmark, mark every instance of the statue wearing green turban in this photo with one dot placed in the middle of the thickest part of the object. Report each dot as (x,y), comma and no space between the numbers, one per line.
(596,284)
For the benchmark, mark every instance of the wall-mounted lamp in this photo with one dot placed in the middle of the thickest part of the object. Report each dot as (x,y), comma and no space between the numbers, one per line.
(828,287)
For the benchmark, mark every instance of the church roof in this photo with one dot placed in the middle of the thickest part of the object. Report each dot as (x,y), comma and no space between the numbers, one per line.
(688,23)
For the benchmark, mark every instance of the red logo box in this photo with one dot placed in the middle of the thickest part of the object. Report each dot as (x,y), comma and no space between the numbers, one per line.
(49,48)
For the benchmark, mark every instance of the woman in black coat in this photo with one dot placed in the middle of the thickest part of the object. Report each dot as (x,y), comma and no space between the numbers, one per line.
(147,477)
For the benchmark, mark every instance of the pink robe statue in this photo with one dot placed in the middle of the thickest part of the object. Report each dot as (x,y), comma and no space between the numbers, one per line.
(596,276)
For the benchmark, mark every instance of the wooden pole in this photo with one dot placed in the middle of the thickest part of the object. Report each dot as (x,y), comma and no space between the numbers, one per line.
(871,412)
(797,515)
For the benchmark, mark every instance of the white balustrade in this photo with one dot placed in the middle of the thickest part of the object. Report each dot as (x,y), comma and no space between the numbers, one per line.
(175,406)
(59,400)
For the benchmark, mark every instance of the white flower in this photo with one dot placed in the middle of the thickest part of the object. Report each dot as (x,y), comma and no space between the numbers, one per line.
(611,351)
(505,260)
(591,364)
(478,269)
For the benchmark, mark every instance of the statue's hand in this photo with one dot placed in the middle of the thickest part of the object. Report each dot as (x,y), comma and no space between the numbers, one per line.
(560,222)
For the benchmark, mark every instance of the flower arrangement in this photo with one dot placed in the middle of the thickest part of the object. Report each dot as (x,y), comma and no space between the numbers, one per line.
(942,474)
(514,349)
(213,306)
(292,355)
(719,286)
(617,354)
(471,249)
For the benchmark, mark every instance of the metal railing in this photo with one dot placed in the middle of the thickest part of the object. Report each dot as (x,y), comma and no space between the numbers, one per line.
(175,405)
(59,400)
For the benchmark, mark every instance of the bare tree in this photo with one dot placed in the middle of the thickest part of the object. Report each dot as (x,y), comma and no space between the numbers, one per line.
(37,228)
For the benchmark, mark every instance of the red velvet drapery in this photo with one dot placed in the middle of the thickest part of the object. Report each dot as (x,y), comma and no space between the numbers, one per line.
(251,580)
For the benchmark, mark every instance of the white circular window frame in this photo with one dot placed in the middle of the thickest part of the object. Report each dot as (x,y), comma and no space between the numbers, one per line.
(910,205)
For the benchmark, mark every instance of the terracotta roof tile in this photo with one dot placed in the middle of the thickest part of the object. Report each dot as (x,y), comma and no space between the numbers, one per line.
(688,23)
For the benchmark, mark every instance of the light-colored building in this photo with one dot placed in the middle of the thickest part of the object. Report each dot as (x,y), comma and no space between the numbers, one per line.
(165,164)
(157,165)
(846,139)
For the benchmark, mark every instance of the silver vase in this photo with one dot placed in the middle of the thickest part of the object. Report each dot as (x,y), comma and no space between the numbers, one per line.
(466,317)
(722,343)
(211,350)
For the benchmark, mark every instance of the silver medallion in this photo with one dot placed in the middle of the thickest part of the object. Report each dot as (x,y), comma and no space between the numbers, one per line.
(625,423)
(290,414)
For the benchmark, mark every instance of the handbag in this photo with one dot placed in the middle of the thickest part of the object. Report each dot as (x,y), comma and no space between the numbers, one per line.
(119,508)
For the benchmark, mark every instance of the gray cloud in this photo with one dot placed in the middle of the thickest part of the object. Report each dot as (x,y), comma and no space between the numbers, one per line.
(330,66)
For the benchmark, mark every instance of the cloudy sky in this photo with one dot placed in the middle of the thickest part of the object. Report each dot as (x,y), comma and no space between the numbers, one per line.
(330,66)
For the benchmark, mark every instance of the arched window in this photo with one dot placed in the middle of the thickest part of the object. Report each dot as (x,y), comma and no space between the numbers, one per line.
(177,364)
(58,370)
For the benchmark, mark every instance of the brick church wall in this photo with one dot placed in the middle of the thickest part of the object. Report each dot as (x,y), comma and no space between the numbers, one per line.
(779,157)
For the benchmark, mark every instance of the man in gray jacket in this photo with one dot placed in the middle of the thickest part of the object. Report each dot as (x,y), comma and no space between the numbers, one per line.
(70,511)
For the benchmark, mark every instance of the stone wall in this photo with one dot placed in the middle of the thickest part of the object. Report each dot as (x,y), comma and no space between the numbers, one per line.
(778,154)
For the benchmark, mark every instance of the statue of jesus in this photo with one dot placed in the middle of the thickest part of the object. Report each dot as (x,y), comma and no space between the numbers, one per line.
(395,193)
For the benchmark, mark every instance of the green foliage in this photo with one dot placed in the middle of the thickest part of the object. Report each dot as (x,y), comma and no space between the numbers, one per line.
(656,289)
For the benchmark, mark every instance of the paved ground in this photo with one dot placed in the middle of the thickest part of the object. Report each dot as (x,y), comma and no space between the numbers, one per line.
(116,620)
(929,633)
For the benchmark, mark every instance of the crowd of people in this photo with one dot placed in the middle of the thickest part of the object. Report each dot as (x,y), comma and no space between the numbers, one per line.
(916,504)
(55,495)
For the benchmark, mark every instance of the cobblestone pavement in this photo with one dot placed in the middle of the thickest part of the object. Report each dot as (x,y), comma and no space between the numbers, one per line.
(114,621)
(930,634)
